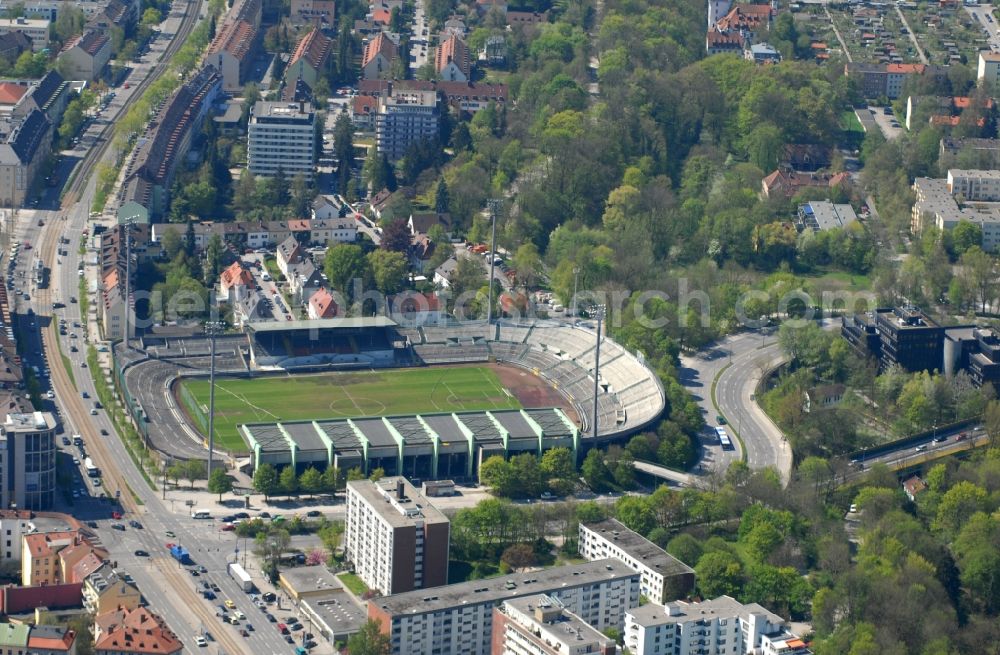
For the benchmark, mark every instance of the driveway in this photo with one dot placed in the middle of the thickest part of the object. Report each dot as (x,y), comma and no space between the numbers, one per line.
(885,123)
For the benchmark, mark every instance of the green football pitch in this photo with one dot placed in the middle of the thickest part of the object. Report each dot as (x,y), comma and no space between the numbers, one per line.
(342,395)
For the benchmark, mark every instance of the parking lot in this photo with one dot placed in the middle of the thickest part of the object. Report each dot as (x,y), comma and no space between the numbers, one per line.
(887,122)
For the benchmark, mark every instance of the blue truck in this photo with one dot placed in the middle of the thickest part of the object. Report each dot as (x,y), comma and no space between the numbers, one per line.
(180,554)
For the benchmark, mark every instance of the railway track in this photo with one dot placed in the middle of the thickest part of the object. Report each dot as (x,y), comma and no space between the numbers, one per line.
(183,586)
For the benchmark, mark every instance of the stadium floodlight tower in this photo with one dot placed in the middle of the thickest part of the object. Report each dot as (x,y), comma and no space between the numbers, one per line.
(494,204)
(599,315)
(213,328)
(128,223)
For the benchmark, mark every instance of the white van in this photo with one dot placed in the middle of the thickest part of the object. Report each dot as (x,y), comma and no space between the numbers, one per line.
(201,514)
(266,277)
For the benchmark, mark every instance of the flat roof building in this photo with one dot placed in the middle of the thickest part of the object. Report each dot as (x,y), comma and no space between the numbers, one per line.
(335,614)
(282,136)
(663,576)
(405,118)
(818,215)
(458,619)
(540,625)
(28,461)
(396,539)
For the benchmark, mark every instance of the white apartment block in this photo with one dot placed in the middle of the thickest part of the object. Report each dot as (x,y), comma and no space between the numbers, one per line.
(396,539)
(974,186)
(13,525)
(663,577)
(540,625)
(722,626)
(989,68)
(937,206)
(404,118)
(282,136)
(458,619)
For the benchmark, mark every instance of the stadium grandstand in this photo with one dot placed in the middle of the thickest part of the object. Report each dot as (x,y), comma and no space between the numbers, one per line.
(629,394)
(426,446)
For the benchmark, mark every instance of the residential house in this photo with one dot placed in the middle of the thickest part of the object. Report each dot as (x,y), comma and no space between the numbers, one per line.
(423,222)
(483,7)
(320,12)
(421,250)
(48,95)
(71,557)
(24,147)
(250,309)
(526,18)
(305,279)
(133,632)
(104,590)
(311,58)
(232,52)
(296,92)
(14,637)
(787,183)
(988,70)
(289,252)
(761,53)
(12,44)
(887,80)
(913,487)
(51,640)
(10,94)
(720,43)
(322,304)
(326,207)
(36,29)
(452,61)
(444,272)
(824,396)
(494,52)
(40,556)
(376,61)
(150,172)
(85,56)
(235,282)
(379,201)
(337,230)
(467,97)
(805,156)
(455,26)
(121,14)
(363,112)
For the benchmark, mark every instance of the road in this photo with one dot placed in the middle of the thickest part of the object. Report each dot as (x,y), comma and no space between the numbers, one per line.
(420,40)
(43,228)
(989,25)
(836,32)
(913,37)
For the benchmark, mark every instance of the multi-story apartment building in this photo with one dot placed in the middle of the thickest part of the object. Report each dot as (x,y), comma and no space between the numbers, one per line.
(28,461)
(396,539)
(311,59)
(85,56)
(134,632)
(989,68)
(14,524)
(974,186)
(40,557)
(104,590)
(540,625)
(937,203)
(404,118)
(663,577)
(721,626)
(24,145)
(282,136)
(458,619)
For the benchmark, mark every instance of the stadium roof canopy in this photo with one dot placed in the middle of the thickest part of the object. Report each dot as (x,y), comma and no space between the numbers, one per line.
(323,324)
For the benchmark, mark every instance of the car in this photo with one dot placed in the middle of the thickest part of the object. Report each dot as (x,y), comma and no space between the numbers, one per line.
(97,482)
(244,633)
(853,509)
(200,641)
(202,569)
(135,524)
(76,494)
(230,604)
(268,596)
(170,534)
(547,496)
(65,441)
(118,515)
(288,639)
(249,626)
(260,604)
(209,595)
(194,572)
(239,614)
(215,587)
(314,513)
(270,618)
(921,448)
(940,438)
(296,627)
(118,526)
(962,436)
(264,515)
(233,620)
(227,527)
(282,628)
(241,515)
(92,524)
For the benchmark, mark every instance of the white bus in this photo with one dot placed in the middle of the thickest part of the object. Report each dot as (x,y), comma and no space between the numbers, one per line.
(201,514)
(92,470)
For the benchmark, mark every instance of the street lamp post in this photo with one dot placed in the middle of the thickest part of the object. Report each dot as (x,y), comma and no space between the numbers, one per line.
(599,314)
(494,205)
(128,223)
(213,328)
(576,283)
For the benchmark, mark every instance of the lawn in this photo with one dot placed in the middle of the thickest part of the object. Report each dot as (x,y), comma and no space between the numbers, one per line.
(343,395)
(354,584)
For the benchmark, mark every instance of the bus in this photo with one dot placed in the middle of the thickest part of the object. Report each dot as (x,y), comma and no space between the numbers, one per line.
(724,440)
(39,272)
(92,470)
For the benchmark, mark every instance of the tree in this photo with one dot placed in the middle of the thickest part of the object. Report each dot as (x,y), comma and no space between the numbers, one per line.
(685,548)
(528,264)
(369,640)
(958,504)
(519,556)
(377,474)
(559,464)
(441,198)
(344,263)
(396,235)
(964,236)
(389,269)
(719,573)
(595,471)
(175,472)
(343,150)
(528,475)
(331,480)
(311,481)
(193,470)
(265,480)
(497,474)
(288,481)
(220,482)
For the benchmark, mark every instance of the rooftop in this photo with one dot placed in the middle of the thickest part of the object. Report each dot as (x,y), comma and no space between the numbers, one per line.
(642,549)
(397,501)
(723,607)
(555,623)
(509,587)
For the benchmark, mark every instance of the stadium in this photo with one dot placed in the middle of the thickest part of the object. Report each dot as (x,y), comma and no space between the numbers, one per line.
(430,402)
